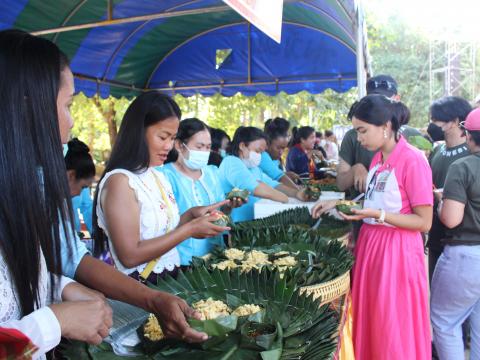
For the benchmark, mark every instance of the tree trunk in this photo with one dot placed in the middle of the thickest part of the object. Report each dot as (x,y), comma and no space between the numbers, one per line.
(109,116)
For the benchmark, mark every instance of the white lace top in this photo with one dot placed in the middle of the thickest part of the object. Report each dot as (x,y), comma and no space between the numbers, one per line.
(154,216)
(41,326)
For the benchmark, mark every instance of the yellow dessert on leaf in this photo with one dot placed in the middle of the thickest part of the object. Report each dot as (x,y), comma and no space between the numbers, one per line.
(234,254)
(152,329)
(211,309)
(246,310)
(225,265)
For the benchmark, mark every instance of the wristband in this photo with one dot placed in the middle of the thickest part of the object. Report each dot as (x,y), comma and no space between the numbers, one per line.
(381,219)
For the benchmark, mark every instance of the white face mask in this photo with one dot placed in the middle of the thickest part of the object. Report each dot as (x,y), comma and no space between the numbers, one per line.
(196,159)
(253,160)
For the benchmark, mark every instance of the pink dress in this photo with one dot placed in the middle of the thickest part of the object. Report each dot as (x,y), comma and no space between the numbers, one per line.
(390,289)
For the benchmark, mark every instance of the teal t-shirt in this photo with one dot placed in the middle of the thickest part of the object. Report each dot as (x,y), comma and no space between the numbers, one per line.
(271,167)
(235,174)
(189,193)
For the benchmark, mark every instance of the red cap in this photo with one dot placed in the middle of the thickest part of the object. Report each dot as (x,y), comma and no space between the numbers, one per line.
(472,122)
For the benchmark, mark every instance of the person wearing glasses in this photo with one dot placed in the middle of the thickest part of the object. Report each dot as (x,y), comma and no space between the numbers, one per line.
(390,289)
(455,288)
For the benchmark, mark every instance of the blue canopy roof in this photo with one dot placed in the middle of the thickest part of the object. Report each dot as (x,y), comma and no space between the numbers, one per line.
(171,45)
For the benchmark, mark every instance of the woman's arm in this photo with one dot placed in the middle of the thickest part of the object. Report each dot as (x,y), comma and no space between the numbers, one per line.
(287,181)
(122,216)
(267,192)
(420,220)
(172,311)
(451,213)
(293,193)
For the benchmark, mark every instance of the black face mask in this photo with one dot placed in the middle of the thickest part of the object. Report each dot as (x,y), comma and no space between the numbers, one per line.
(436,133)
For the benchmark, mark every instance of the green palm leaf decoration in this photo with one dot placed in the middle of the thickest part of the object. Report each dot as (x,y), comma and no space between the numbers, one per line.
(317,261)
(303,329)
(293,225)
(307,330)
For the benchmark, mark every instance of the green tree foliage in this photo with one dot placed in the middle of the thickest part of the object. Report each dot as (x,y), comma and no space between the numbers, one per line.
(403,53)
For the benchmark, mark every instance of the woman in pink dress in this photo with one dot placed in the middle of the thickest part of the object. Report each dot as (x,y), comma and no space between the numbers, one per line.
(389,289)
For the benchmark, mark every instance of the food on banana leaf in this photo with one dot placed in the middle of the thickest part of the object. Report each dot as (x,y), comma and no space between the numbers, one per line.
(222,220)
(246,310)
(211,309)
(326,184)
(258,336)
(234,254)
(346,206)
(225,265)
(304,330)
(250,260)
(238,193)
(152,329)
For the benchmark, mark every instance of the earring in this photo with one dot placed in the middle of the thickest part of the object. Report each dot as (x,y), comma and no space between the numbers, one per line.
(385,133)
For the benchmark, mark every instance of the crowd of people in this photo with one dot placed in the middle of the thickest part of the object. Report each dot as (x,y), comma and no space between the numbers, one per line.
(167,180)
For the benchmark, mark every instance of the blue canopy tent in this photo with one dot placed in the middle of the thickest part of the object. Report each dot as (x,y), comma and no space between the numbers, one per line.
(123,47)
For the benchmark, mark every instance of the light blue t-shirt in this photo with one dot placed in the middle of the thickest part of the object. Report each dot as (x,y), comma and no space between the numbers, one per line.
(189,193)
(79,250)
(271,167)
(235,174)
(70,259)
(84,204)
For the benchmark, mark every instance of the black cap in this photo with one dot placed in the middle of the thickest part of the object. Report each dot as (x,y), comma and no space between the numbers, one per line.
(383,85)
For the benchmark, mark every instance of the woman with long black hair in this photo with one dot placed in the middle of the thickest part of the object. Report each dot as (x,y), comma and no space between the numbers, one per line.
(35,212)
(135,207)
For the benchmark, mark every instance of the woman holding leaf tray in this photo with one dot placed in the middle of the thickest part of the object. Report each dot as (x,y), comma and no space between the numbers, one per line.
(135,208)
(390,290)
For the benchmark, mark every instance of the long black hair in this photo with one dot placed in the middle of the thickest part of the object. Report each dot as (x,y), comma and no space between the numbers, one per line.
(130,151)
(378,110)
(187,128)
(246,135)
(78,158)
(300,133)
(35,198)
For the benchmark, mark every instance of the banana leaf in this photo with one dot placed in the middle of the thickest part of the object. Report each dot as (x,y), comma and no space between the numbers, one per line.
(420,143)
(268,235)
(215,327)
(300,215)
(258,336)
(308,331)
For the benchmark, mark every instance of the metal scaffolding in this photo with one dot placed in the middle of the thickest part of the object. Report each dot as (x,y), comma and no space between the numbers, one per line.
(452,69)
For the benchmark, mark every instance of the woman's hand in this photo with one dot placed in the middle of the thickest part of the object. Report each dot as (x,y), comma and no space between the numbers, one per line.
(360,214)
(301,195)
(199,211)
(322,207)
(294,176)
(172,313)
(88,321)
(234,203)
(77,292)
(203,227)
